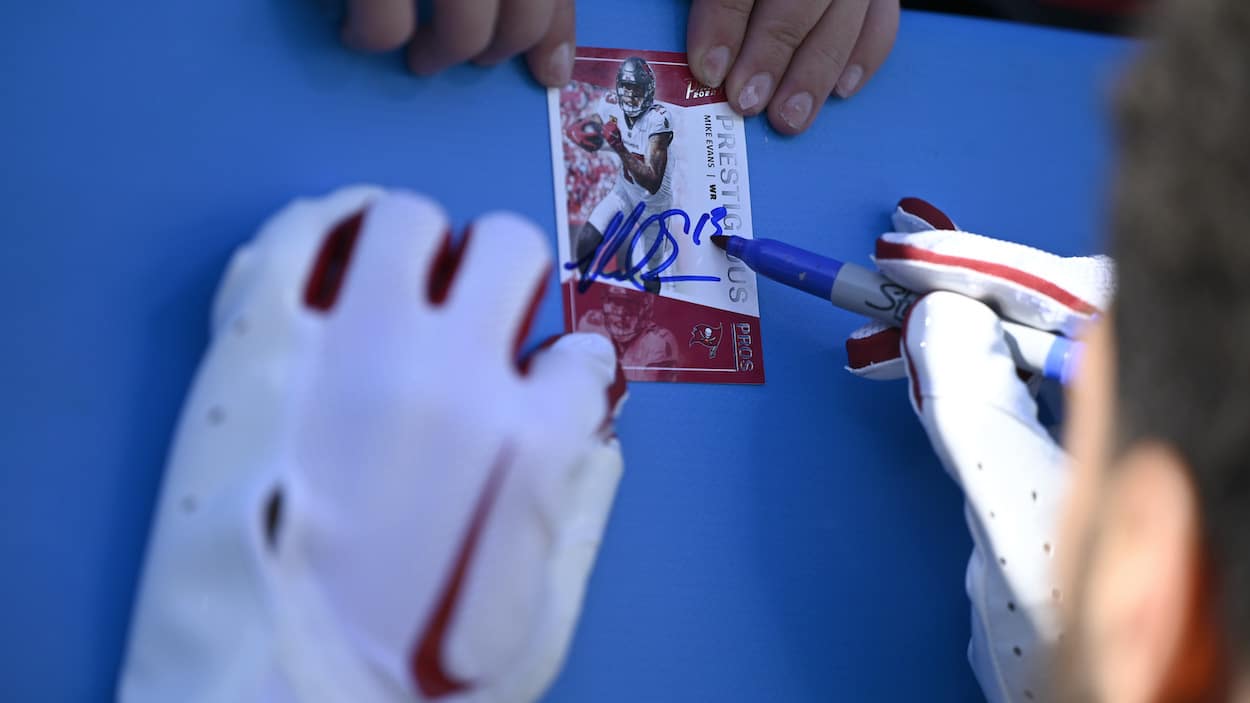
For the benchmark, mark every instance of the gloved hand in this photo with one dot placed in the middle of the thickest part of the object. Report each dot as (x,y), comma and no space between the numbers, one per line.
(612,135)
(368,498)
(982,419)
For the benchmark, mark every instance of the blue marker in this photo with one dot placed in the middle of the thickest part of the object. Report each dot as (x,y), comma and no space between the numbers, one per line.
(868,293)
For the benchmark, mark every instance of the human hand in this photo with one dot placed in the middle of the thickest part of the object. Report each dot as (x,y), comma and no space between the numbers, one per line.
(789,55)
(486,32)
(612,135)
(369,497)
(982,418)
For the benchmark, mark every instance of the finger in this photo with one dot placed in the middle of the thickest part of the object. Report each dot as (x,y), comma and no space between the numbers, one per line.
(378,25)
(1024,284)
(503,272)
(461,29)
(916,215)
(873,352)
(567,505)
(520,25)
(278,265)
(551,60)
(578,388)
(574,377)
(591,489)
(776,29)
(399,236)
(714,36)
(816,66)
(876,39)
(982,422)
(954,347)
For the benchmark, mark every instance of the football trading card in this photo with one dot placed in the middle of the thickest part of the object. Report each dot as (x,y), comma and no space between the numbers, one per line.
(648,164)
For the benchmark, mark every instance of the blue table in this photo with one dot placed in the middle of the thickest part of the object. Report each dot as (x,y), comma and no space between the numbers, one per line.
(814,551)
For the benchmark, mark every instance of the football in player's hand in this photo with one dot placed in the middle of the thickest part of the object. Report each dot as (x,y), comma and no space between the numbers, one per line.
(588,134)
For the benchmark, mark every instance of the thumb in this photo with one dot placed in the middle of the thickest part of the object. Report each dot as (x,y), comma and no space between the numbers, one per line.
(954,348)
(982,422)
(551,60)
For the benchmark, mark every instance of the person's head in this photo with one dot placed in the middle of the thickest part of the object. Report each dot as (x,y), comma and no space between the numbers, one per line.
(1157,534)
(625,312)
(635,86)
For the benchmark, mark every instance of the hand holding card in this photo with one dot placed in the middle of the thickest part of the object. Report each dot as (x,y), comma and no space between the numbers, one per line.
(454,32)
(786,57)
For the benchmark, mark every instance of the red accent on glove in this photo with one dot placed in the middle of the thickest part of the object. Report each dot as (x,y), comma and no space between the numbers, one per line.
(536,299)
(426,664)
(911,365)
(876,348)
(322,288)
(444,266)
(612,133)
(927,212)
(894,250)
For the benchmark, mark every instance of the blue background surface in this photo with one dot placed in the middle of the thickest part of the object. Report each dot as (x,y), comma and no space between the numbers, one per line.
(812,551)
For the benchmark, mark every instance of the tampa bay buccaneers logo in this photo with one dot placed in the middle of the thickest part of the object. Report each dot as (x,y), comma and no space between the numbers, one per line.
(708,336)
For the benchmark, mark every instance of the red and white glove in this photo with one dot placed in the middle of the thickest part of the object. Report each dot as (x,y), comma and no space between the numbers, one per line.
(587,133)
(612,134)
(982,419)
(927,252)
(368,498)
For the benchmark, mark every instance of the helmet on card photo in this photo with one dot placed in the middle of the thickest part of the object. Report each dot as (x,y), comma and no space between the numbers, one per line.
(635,86)
(626,312)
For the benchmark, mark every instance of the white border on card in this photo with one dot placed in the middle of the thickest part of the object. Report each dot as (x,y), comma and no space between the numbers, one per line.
(559,178)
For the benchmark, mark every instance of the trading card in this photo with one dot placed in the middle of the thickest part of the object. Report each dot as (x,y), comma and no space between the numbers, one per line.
(648,164)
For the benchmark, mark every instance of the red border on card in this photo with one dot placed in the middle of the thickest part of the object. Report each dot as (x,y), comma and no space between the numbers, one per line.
(674,83)
(738,357)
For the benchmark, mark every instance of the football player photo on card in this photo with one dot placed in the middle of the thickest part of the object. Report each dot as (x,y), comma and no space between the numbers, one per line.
(648,164)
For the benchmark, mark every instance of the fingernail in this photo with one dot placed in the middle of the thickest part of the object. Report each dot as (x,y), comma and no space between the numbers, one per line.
(849,80)
(715,63)
(755,91)
(794,111)
(561,63)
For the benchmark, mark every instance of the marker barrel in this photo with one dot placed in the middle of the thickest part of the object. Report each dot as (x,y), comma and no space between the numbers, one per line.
(780,262)
(870,294)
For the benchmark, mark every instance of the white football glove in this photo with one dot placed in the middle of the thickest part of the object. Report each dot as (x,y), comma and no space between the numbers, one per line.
(368,498)
(982,418)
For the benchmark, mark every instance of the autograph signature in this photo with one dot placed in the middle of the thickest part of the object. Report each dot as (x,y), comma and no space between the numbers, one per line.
(621,232)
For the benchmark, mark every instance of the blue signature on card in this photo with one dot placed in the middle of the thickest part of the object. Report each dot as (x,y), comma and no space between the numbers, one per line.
(620,232)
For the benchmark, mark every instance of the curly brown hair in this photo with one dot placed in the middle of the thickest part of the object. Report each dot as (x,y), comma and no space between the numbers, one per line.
(1181,235)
